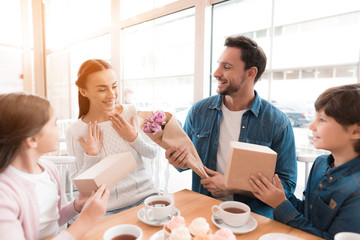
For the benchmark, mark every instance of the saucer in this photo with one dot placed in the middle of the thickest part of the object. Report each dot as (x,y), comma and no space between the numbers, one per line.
(156,223)
(274,236)
(250,225)
(158,235)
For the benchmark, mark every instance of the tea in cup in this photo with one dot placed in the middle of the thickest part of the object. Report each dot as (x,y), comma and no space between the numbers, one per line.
(158,207)
(233,213)
(123,232)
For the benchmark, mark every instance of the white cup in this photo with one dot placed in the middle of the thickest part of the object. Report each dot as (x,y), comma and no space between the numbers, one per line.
(233,213)
(347,236)
(124,229)
(158,207)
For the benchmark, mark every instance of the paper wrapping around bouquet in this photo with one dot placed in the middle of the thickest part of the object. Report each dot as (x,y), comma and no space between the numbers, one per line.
(247,159)
(174,135)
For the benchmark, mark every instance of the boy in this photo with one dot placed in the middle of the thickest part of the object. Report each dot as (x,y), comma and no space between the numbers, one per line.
(332,195)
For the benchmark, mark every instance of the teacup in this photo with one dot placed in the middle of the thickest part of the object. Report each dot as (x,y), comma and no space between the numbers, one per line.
(158,207)
(233,213)
(124,231)
(347,236)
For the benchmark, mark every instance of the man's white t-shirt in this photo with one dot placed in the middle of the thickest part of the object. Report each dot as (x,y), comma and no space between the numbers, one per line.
(230,126)
(48,198)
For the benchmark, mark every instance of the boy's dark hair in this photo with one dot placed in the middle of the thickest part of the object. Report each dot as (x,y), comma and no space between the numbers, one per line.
(251,54)
(343,104)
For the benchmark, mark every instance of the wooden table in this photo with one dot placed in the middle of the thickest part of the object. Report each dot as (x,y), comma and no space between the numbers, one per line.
(192,205)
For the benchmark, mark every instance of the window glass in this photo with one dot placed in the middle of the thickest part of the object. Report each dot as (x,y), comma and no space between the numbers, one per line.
(57,83)
(130,8)
(11,78)
(67,21)
(62,67)
(10,22)
(158,71)
(313,48)
(11,74)
(94,48)
(234,18)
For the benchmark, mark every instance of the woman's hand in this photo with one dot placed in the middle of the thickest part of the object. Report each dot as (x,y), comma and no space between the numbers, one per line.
(93,143)
(272,195)
(125,130)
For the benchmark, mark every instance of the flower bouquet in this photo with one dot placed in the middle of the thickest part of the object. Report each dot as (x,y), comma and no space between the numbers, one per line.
(165,131)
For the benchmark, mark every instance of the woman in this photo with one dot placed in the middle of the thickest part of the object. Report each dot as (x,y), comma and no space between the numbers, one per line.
(30,199)
(104,129)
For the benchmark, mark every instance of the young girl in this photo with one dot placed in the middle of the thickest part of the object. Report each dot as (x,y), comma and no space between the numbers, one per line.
(30,200)
(104,129)
(332,195)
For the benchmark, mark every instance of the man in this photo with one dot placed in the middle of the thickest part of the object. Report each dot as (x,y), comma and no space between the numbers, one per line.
(237,113)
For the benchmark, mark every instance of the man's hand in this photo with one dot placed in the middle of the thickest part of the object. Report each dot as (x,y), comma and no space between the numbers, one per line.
(215,184)
(271,194)
(177,157)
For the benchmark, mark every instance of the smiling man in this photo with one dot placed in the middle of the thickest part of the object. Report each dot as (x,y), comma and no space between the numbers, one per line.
(237,113)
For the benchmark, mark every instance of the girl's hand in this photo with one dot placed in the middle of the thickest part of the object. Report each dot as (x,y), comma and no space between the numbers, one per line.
(93,210)
(94,140)
(126,131)
(95,206)
(80,202)
(264,190)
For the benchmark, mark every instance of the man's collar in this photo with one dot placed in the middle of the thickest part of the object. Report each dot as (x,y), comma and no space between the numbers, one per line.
(254,107)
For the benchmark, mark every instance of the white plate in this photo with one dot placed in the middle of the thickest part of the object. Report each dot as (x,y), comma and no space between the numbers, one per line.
(277,236)
(156,223)
(250,225)
(158,235)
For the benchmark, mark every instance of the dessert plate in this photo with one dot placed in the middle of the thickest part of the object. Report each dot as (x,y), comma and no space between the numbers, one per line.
(156,223)
(250,225)
(273,236)
(158,235)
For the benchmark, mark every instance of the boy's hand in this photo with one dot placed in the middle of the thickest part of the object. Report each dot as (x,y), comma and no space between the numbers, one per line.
(263,189)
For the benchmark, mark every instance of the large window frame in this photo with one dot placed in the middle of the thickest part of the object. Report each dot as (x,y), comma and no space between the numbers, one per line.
(35,79)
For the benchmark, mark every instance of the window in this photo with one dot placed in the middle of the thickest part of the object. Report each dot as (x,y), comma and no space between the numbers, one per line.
(11,74)
(130,8)
(158,64)
(311,49)
(71,40)
(11,77)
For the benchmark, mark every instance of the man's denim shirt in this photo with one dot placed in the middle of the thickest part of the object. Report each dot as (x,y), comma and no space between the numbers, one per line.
(332,200)
(261,124)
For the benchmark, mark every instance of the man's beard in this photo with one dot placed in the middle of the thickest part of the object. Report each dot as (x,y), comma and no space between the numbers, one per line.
(231,88)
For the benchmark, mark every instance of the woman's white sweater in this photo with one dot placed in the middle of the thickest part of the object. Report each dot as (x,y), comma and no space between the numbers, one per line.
(134,187)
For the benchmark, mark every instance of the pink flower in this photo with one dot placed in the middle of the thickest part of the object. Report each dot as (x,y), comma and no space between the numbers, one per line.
(159,117)
(155,122)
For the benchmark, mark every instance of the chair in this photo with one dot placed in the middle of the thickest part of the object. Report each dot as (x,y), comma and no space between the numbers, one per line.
(63,125)
(307,159)
(64,163)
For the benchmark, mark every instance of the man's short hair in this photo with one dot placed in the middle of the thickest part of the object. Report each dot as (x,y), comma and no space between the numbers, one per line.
(251,54)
